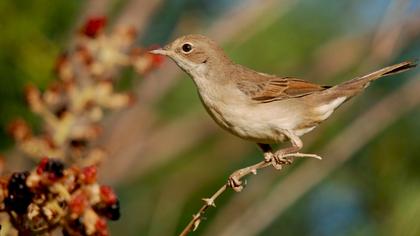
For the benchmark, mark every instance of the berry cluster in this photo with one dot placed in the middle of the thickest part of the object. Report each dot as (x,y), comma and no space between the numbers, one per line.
(53,196)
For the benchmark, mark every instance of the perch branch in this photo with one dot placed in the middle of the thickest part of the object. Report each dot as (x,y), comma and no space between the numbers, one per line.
(239,174)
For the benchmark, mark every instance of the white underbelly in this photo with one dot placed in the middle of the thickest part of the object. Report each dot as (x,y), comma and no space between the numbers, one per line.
(265,122)
(255,122)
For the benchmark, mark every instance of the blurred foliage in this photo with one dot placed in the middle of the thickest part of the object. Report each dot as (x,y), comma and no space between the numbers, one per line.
(376,193)
(33,33)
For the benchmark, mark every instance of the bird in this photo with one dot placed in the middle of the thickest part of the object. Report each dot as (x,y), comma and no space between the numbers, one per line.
(259,107)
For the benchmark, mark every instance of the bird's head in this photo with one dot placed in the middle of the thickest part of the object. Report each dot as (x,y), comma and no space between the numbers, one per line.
(194,54)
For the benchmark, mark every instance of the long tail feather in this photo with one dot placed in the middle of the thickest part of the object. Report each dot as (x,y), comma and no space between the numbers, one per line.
(354,86)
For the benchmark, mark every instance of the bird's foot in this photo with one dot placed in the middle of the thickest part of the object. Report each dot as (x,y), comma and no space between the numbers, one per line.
(268,157)
(280,159)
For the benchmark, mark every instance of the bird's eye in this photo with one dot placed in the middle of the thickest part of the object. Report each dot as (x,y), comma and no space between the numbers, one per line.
(186,47)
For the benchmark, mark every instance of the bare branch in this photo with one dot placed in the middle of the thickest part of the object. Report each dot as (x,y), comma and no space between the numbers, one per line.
(239,174)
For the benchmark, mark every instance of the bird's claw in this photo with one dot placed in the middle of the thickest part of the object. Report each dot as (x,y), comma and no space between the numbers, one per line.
(268,157)
(279,160)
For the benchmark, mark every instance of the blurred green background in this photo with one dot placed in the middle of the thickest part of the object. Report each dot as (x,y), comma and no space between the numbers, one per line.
(175,155)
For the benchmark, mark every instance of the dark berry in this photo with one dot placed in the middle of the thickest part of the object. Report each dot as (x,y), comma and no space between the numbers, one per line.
(19,195)
(114,211)
(17,182)
(111,212)
(16,203)
(54,167)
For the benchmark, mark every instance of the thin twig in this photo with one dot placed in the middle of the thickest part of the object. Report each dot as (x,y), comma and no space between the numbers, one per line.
(239,174)
(208,202)
(193,224)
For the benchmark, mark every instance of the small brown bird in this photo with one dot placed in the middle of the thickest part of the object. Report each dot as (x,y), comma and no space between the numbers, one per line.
(260,107)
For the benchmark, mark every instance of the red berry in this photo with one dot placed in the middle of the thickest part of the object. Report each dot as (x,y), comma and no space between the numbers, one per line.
(78,204)
(94,26)
(89,174)
(41,166)
(101,227)
(108,195)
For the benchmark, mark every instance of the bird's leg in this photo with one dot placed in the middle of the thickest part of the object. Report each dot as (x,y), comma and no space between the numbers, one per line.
(283,156)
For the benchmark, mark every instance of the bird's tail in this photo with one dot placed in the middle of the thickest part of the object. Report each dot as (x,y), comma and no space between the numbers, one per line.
(354,86)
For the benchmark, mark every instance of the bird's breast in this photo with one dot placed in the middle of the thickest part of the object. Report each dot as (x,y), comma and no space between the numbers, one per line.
(245,119)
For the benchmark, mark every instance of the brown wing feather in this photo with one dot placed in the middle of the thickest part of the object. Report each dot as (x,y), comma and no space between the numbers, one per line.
(266,88)
(283,88)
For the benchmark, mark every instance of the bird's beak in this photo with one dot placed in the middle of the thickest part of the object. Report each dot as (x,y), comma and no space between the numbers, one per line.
(160,51)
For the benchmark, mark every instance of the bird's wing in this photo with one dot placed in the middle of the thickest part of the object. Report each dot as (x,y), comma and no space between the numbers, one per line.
(272,88)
